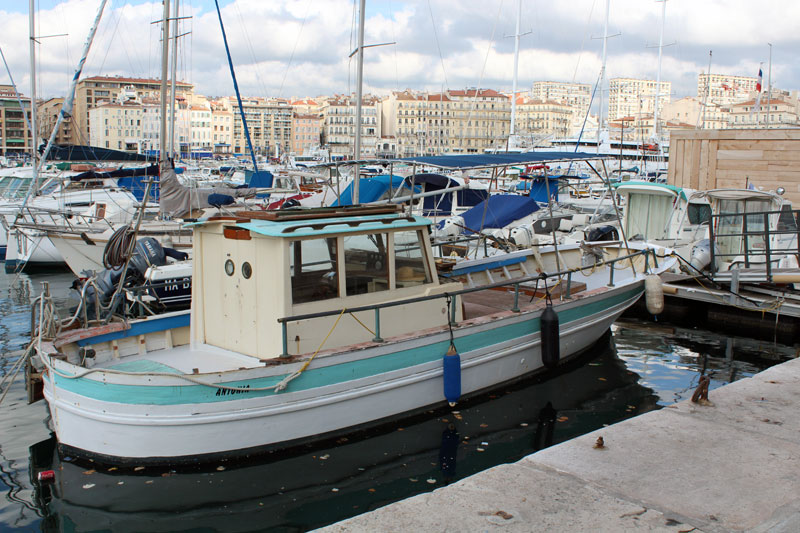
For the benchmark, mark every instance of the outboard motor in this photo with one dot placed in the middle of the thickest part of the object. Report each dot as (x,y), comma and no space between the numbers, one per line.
(147,253)
(602,233)
(701,255)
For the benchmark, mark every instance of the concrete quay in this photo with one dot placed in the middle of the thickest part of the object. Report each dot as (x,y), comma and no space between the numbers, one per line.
(730,466)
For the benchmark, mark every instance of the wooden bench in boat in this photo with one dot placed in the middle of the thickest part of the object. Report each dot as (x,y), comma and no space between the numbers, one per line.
(482,303)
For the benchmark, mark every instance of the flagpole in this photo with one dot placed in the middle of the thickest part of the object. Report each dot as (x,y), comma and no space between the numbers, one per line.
(769,82)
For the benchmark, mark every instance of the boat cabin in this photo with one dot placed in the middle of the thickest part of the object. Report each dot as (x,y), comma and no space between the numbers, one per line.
(663,214)
(251,272)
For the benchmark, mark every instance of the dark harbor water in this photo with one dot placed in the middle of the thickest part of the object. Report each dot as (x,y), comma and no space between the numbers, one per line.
(635,368)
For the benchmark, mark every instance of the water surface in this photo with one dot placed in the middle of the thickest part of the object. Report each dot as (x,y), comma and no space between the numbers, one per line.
(635,368)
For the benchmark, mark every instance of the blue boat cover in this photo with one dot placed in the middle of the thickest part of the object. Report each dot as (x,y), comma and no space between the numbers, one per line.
(497,211)
(371,189)
(466,161)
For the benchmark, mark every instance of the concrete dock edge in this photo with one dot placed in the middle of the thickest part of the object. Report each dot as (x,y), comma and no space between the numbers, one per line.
(730,466)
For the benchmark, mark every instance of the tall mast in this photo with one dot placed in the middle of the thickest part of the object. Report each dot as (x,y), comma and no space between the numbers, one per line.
(34,133)
(359,89)
(172,80)
(516,68)
(164,71)
(658,76)
(603,76)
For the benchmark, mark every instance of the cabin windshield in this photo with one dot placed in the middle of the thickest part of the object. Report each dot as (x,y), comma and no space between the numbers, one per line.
(366,266)
(409,259)
(314,270)
(730,228)
(648,215)
(699,213)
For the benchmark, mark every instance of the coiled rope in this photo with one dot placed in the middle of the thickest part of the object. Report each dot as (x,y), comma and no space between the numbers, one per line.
(118,247)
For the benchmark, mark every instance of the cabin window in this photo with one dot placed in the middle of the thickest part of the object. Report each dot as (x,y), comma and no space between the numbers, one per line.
(699,213)
(786,221)
(409,259)
(366,265)
(314,270)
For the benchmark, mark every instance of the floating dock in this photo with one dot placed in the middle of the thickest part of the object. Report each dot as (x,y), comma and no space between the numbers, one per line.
(730,466)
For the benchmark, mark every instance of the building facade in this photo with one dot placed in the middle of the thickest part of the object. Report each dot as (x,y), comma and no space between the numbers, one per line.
(542,118)
(269,122)
(91,92)
(577,96)
(47,115)
(305,132)
(15,136)
(631,97)
(338,125)
(117,125)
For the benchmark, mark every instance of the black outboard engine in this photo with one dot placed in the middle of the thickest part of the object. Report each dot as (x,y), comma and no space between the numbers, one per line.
(147,252)
(602,233)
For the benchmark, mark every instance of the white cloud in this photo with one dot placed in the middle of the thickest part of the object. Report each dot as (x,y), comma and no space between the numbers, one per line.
(301,47)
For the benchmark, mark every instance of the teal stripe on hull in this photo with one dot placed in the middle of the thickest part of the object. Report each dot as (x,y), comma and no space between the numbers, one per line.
(319,377)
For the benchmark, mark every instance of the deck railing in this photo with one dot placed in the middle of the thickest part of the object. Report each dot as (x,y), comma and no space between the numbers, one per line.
(451,296)
(759,243)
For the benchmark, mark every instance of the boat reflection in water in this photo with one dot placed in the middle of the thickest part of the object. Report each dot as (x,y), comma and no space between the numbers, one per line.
(310,487)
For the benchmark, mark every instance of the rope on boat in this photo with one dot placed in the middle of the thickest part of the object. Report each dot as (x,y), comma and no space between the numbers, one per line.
(118,247)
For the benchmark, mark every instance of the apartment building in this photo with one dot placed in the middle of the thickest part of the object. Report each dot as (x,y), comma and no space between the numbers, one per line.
(305,132)
(117,125)
(415,123)
(725,89)
(15,136)
(539,118)
(480,120)
(748,115)
(269,122)
(47,115)
(90,92)
(338,123)
(630,97)
(577,96)
(221,127)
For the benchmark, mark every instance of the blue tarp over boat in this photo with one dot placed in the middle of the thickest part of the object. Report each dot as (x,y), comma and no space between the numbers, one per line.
(371,189)
(498,211)
(442,204)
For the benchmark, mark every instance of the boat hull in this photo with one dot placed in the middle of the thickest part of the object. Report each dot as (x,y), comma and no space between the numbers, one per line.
(102,416)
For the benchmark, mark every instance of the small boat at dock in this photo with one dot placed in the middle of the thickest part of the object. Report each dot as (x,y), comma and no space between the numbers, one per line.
(310,323)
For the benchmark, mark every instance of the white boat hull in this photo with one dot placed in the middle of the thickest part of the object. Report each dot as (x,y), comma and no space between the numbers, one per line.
(149,432)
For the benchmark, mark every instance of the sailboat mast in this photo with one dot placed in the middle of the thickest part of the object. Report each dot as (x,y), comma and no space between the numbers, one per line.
(164,71)
(359,90)
(171,151)
(603,76)
(658,75)
(516,70)
(34,134)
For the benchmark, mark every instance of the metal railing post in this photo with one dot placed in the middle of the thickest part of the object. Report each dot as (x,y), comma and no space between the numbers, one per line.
(611,274)
(516,298)
(377,325)
(767,250)
(284,340)
(569,285)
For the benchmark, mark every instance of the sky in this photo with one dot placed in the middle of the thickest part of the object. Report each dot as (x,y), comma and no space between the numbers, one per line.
(299,48)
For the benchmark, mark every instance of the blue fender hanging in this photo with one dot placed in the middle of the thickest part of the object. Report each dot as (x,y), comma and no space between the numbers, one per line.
(452,375)
(550,341)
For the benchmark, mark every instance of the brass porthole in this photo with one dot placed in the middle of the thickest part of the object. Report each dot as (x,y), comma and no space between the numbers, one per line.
(247,270)
(229,268)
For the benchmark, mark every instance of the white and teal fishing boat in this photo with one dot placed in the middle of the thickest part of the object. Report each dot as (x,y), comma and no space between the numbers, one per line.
(305,324)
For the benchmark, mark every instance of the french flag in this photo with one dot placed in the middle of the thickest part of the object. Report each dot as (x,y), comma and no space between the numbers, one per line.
(758,83)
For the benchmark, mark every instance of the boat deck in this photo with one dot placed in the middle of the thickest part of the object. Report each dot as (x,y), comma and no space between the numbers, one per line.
(186,359)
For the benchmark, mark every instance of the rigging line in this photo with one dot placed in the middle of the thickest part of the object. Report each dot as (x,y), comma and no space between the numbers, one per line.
(438,46)
(352,37)
(108,48)
(583,42)
(483,69)
(250,48)
(294,48)
(396,70)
